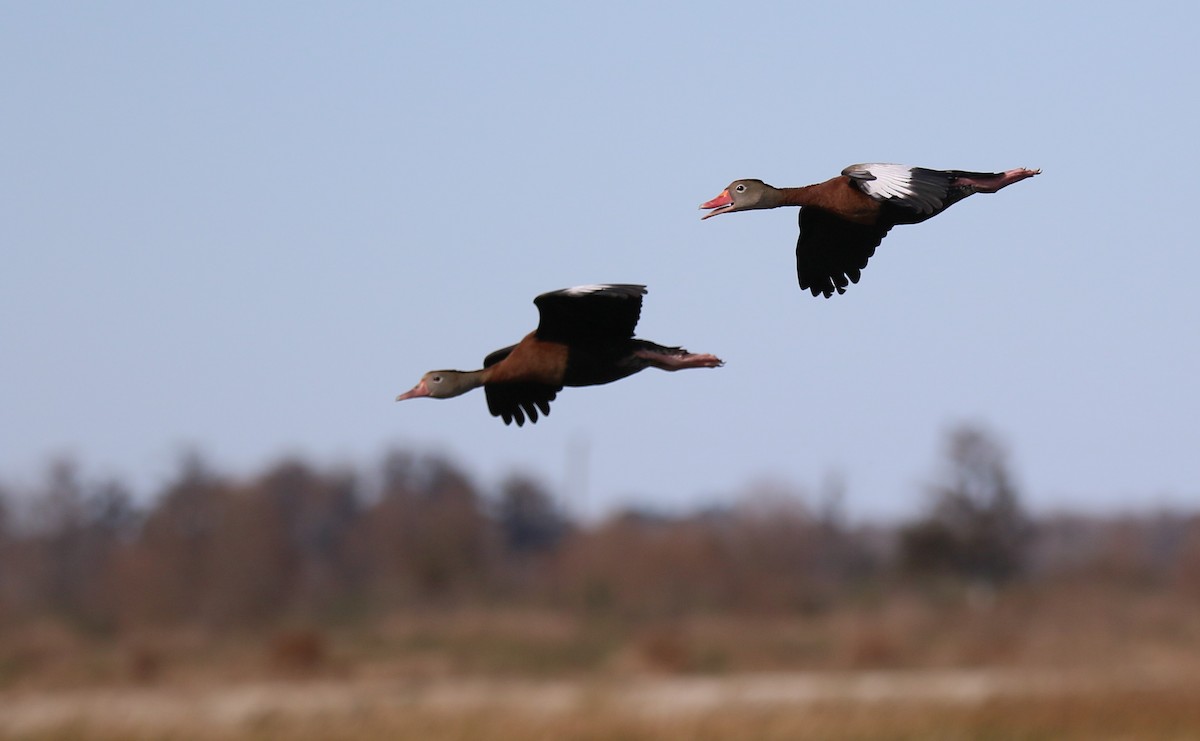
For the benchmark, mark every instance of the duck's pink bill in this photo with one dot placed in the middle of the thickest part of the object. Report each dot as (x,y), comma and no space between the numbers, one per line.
(419,390)
(722,200)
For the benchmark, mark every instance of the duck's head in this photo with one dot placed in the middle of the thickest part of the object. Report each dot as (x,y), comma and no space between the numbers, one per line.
(442,384)
(742,195)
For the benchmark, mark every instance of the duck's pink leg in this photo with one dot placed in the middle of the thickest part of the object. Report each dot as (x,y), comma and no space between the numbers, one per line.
(993,183)
(675,362)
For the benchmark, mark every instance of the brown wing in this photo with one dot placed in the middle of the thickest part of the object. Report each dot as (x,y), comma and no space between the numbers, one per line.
(832,252)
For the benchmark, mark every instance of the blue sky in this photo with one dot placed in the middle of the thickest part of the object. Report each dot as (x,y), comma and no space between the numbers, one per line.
(244,228)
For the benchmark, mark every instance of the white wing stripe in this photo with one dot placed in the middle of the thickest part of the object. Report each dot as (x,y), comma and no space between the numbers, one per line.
(920,190)
(581,290)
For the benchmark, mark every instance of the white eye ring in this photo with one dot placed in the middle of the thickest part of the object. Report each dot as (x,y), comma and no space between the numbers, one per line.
(436,379)
(741,188)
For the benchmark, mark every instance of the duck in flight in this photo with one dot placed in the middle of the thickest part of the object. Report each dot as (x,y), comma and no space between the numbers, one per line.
(584,338)
(844,219)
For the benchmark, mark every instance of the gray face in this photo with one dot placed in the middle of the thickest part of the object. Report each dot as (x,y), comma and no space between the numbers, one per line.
(748,194)
(440,384)
(741,195)
(443,384)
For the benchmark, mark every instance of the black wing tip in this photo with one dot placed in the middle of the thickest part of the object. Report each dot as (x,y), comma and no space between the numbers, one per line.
(828,286)
(524,410)
(515,416)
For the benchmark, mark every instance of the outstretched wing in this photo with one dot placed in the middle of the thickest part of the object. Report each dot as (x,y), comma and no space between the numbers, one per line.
(516,401)
(916,189)
(832,252)
(594,313)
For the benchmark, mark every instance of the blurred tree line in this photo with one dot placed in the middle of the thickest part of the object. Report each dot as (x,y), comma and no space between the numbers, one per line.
(331,546)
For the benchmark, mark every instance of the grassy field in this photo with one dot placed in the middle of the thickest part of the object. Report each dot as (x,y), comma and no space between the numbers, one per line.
(1055,664)
(858,705)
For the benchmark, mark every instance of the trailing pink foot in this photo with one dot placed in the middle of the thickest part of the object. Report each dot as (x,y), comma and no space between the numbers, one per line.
(993,183)
(700,360)
(680,361)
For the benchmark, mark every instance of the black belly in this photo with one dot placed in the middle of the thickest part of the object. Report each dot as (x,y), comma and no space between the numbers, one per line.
(591,365)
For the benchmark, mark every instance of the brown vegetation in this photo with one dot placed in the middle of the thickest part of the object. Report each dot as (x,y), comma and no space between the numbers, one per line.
(411,573)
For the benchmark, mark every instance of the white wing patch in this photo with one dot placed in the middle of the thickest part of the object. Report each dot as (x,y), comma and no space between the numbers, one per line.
(628,290)
(915,188)
(582,290)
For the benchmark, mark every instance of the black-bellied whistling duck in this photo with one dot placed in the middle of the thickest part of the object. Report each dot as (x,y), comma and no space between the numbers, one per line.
(843,220)
(584,338)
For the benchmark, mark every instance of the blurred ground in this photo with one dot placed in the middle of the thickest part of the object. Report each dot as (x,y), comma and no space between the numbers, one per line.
(1063,664)
(307,604)
(894,704)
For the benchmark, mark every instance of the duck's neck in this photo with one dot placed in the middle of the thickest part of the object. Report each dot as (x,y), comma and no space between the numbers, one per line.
(464,381)
(476,378)
(806,195)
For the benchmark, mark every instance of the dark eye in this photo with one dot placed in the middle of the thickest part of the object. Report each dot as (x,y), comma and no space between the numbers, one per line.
(436,379)
(741,188)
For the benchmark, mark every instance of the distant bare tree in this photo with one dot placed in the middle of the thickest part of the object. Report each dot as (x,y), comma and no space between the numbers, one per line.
(528,517)
(168,574)
(318,512)
(65,557)
(427,535)
(10,571)
(975,528)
